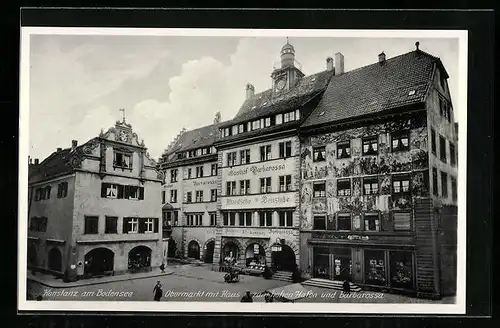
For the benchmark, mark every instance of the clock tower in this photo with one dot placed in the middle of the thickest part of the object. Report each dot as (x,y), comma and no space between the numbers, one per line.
(286,76)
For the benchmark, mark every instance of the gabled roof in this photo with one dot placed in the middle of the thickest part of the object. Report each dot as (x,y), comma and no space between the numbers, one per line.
(399,81)
(265,104)
(58,163)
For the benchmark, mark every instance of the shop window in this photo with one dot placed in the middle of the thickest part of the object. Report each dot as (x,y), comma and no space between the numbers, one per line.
(174,173)
(91,225)
(442,149)
(344,187)
(319,222)
(244,187)
(213,195)
(370,186)
(173,196)
(319,189)
(401,269)
(265,153)
(231,188)
(375,273)
(344,149)
(266,219)
(286,218)
(402,221)
(265,185)
(400,141)
(370,146)
(435,182)
(433,141)
(401,184)
(344,222)
(231,159)
(371,222)
(319,154)
(62,190)
(285,149)
(111,224)
(444,184)
(321,262)
(285,183)
(454,188)
(245,156)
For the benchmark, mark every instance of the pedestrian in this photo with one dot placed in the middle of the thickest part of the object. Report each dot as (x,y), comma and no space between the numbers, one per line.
(347,287)
(157,291)
(162,268)
(247,298)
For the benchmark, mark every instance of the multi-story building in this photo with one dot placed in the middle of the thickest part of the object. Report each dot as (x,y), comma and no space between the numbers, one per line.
(259,163)
(379,172)
(189,193)
(94,209)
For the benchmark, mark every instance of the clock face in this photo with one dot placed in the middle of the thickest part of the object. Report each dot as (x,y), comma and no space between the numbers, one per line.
(280,84)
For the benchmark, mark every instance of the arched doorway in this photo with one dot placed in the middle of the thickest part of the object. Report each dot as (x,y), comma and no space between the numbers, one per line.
(284,259)
(209,252)
(55,259)
(231,252)
(99,261)
(255,254)
(139,259)
(194,250)
(172,248)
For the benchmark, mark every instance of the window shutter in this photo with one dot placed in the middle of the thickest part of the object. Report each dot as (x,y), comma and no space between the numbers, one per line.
(156,222)
(125,225)
(142,225)
(120,192)
(104,187)
(141,193)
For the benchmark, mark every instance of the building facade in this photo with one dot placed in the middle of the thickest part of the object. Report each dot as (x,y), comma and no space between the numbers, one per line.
(104,217)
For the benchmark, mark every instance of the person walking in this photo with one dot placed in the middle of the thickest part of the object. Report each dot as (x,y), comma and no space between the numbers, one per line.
(157,291)
(247,298)
(162,268)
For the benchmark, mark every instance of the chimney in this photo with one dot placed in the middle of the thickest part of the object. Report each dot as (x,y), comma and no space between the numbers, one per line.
(36,161)
(329,64)
(381,58)
(59,149)
(250,90)
(74,143)
(30,160)
(339,63)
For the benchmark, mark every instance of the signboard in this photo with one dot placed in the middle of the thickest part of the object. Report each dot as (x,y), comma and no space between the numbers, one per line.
(256,232)
(286,199)
(275,167)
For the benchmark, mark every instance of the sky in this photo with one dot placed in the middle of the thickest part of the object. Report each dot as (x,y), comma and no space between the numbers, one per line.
(78,83)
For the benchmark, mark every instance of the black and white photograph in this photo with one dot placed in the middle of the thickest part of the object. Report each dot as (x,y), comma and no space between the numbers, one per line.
(189,170)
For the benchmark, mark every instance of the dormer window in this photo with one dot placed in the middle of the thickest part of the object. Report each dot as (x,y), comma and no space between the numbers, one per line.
(241,128)
(122,160)
(234,130)
(256,125)
(267,122)
(279,119)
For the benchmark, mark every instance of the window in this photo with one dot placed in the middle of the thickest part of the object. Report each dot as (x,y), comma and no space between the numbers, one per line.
(370,146)
(265,185)
(371,222)
(266,219)
(453,157)
(110,190)
(198,219)
(433,142)
(265,153)
(189,219)
(213,195)
(241,128)
(225,217)
(344,149)
(47,192)
(267,122)
(189,197)
(319,222)
(173,175)
(286,218)
(232,218)
(442,148)
(279,119)
(285,183)
(199,196)
(111,224)
(370,186)
(319,154)
(402,221)
(344,187)
(199,171)
(285,149)
(444,184)
(344,222)
(234,130)
(245,156)
(401,269)
(453,188)
(401,184)
(38,194)
(213,169)
(62,190)
(213,219)
(163,196)
(444,108)
(244,187)
(435,182)
(287,117)
(38,224)
(131,225)
(91,225)
(375,267)
(245,218)
(231,159)
(256,125)
(297,114)
(319,189)
(132,192)
(231,188)
(123,160)
(400,141)
(149,226)
(173,196)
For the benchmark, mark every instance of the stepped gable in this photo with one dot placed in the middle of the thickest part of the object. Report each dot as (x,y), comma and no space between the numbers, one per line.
(398,81)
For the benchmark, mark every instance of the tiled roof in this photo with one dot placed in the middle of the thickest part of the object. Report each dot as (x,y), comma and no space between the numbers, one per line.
(400,81)
(264,103)
(56,164)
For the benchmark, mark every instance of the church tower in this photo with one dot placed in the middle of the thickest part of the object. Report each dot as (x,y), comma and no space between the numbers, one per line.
(286,76)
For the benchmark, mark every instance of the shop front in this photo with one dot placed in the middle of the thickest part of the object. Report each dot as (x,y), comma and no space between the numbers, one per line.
(332,263)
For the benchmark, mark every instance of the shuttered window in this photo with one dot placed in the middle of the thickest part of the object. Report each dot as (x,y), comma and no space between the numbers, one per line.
(402,221)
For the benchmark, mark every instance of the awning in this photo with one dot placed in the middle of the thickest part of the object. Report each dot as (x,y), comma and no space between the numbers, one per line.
(291,292)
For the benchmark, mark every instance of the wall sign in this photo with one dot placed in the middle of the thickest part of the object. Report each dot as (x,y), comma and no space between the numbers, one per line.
(260,201)
(256,232)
